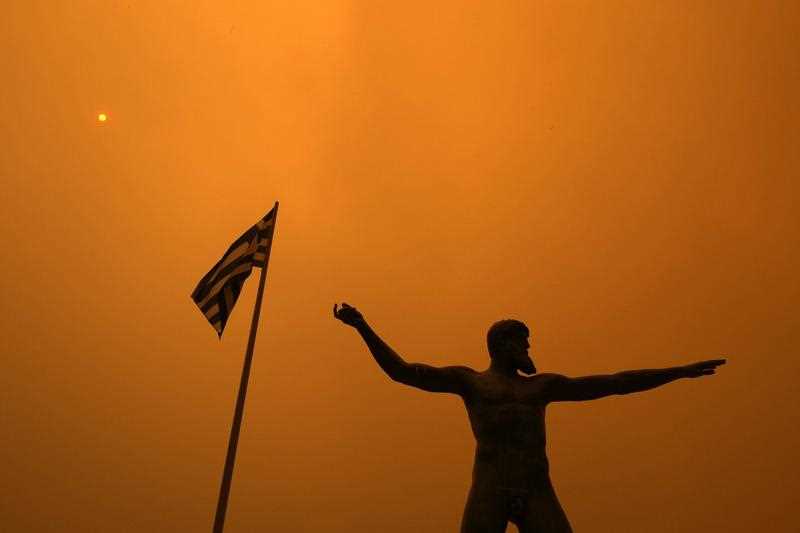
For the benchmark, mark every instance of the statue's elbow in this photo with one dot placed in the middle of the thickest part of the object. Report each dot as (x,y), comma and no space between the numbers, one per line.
(620,386)
(400,373)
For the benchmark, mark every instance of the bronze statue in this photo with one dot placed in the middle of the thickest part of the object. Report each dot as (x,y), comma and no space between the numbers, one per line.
(510,479)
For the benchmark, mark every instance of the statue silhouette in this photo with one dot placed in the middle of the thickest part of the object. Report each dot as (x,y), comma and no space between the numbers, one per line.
(510,478)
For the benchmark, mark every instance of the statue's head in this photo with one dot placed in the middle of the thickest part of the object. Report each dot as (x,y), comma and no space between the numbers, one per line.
(508,344)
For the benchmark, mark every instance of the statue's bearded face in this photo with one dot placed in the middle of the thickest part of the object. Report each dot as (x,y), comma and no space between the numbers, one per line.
(515,351)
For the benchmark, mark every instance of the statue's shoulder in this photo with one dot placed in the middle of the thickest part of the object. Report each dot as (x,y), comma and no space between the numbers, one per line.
(541,382)
(546,377)
(465,371)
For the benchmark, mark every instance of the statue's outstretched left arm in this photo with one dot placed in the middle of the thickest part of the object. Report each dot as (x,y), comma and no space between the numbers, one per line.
(428,378)
(562,388)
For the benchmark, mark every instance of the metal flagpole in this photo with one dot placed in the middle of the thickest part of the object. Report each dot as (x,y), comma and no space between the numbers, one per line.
(227,475)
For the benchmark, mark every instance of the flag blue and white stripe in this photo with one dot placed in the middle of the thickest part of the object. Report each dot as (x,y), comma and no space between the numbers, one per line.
(217,292)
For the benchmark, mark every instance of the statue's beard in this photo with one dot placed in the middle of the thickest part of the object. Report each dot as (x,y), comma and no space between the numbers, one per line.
(526,365)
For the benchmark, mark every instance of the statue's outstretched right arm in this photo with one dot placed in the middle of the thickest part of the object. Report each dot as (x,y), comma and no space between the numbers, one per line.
(429,378)
(562,388)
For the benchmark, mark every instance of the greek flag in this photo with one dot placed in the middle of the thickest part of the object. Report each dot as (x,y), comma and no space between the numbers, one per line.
(217,292)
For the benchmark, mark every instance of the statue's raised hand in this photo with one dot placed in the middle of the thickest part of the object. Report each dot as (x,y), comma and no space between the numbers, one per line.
(347,314)
(703,368)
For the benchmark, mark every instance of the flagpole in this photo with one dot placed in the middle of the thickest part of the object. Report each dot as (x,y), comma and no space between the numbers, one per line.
(230,458)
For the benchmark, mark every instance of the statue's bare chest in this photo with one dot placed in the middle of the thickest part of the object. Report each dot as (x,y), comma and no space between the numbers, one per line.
(491,390)
(508,408)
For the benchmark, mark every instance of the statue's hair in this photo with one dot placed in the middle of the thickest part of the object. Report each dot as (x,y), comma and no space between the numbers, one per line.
(502,330)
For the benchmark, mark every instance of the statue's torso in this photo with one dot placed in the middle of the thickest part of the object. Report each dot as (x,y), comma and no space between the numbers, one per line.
(507,419)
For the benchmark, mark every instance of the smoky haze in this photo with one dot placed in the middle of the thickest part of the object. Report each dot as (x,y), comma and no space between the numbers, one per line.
(620,176)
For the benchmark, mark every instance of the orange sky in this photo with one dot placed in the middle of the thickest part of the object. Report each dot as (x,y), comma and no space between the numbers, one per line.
(620,175)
